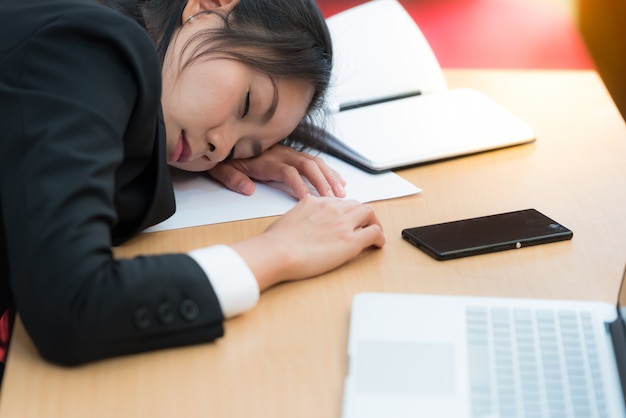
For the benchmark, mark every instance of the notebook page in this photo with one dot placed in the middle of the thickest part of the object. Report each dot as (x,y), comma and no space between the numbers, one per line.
(425,128)
(379,51)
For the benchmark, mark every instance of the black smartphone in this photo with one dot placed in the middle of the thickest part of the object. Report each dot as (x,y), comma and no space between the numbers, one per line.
(486,234)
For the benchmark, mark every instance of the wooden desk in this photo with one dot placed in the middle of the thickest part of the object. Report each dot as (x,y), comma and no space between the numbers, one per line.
(287,357)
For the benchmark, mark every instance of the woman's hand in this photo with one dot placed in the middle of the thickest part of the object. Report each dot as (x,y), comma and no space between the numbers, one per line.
(317,235)
(282,164)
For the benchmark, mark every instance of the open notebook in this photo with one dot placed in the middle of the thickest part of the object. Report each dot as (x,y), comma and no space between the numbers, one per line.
(452,356)
(390,103)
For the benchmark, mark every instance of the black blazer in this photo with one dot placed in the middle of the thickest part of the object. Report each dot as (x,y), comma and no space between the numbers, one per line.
(82,168)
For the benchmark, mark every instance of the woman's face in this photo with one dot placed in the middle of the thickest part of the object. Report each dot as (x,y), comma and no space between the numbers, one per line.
(218,107)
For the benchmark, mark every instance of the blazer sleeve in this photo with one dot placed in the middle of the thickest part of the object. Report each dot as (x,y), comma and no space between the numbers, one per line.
(77,83)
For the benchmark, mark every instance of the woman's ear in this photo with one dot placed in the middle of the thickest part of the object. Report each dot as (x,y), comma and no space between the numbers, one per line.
(194,7)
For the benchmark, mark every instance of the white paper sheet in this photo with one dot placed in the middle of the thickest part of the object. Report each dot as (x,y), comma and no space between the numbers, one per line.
(202,201)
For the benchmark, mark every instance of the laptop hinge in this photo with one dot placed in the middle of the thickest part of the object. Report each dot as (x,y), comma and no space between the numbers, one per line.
(618,336)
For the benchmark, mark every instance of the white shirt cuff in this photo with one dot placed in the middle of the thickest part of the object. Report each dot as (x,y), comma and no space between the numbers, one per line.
(233,282)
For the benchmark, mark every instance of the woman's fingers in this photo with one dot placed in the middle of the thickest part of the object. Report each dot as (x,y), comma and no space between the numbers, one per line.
(323,178)
(297,170)
(233,178)
(369,225)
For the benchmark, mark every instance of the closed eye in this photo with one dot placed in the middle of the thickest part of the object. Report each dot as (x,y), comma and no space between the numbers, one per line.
(247,105)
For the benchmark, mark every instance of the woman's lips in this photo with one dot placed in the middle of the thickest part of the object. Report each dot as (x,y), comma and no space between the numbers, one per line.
(182,152)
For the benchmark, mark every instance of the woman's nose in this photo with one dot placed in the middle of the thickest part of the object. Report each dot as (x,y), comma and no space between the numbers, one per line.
(220,142)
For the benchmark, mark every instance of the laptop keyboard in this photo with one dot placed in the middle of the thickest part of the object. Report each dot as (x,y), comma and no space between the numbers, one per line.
(527,363)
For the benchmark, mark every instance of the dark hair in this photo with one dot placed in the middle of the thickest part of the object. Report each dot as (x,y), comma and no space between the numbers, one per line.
(280,38)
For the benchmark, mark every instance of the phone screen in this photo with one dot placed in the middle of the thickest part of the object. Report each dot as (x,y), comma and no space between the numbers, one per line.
(486,234)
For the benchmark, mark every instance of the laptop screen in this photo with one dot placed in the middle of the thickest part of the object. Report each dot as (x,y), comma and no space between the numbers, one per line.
(621,299)
(618,334)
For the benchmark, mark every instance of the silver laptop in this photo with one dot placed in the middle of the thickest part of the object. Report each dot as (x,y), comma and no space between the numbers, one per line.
(448,356)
